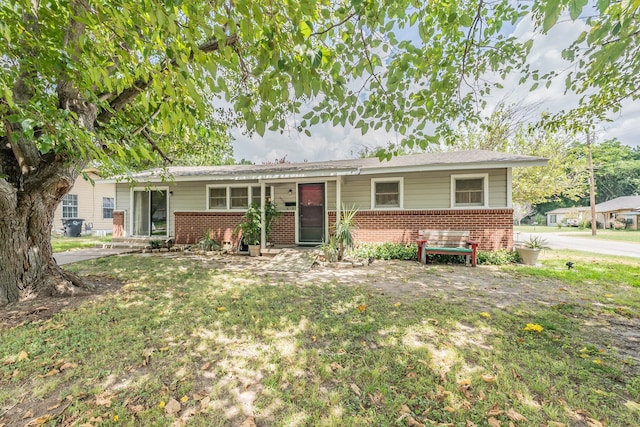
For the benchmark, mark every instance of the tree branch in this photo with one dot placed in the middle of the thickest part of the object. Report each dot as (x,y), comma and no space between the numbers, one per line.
(337,24)
(155,146)
(129,94)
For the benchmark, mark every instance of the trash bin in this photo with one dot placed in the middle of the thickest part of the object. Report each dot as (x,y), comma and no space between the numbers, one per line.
(72,227)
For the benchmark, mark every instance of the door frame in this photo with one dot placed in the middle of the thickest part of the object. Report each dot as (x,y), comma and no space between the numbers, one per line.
(132,216)
(325,213)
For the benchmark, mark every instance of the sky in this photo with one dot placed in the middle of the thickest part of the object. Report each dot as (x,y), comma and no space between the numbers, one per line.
(334,143)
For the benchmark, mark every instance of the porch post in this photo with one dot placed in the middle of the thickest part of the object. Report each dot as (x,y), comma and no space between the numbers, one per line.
(263,231)
(338,198)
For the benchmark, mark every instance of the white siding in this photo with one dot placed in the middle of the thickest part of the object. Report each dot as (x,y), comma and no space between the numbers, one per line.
(424,190)
(89,203)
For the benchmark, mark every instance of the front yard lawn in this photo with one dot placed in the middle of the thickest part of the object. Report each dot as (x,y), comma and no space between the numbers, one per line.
(203,342)
(61,243)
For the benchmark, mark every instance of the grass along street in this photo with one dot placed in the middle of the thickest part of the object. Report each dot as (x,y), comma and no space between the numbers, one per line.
(61,243)
(632,236)
(218,342)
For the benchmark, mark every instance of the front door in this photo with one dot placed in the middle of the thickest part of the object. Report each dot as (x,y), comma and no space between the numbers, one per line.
(150,213)
(311,213)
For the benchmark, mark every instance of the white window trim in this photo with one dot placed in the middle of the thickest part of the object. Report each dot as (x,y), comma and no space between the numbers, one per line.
(76,206)
(485,196)
(228,188)
(400,181)
(113,207)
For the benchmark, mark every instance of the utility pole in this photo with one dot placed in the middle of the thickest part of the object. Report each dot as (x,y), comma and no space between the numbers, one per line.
(592,188)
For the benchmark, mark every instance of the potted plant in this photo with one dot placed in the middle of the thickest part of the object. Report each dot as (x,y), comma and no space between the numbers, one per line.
(530,249)
(251,227)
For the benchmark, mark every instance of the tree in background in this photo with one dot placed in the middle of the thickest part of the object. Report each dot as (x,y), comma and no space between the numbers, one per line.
(507,130)
(617,170)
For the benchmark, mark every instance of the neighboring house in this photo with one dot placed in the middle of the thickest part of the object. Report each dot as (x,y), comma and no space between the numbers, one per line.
(465,190)
(94,204)
(626,208)
(569,217)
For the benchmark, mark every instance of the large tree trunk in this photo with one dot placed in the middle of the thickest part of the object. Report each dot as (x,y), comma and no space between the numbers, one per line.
(27,267)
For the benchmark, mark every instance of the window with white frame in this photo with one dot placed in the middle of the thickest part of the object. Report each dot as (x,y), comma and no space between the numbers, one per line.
(222,197)
(387,193)
(217,197)
(255,194)
(469,190)
(108,204)
(239,197)
(70,206)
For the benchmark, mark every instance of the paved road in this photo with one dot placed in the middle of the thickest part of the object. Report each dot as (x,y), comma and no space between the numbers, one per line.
(77,255)
(566,241)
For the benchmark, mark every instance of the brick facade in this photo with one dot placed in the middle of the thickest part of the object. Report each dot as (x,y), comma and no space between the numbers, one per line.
(492,228)
(118,224)
(191,226)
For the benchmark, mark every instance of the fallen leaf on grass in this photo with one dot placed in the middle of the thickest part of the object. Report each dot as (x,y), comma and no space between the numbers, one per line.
(634,406)
(199,396)
(249,422)
(494,422)
(136,409)
(513,415)
(22,356)
(68,365)
(355,389)
(335,366)
(56,406)
(449,409)
(40,420)
(50,373)
(27,414)
(205,366)
(593,423)
(488,379)
(104,399)
(361,308)
(495,410)
(172,407)
(414,423)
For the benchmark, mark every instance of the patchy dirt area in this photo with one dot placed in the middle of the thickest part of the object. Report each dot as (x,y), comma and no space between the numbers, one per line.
(28,311)
(483,288)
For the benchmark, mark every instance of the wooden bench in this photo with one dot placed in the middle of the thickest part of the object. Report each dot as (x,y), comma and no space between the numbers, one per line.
(446,242)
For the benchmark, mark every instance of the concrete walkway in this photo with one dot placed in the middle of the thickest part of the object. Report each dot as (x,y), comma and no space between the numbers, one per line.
(585,244)
(78,255)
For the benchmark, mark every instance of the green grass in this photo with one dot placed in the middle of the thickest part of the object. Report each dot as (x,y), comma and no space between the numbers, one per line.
(300,354)
(543,229)
(632,236)
(61,244)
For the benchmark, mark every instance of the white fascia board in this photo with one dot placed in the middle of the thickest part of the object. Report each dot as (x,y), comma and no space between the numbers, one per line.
(256,177)
(452,167)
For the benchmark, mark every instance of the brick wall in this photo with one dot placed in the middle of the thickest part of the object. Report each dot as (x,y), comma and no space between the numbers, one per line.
(491,228)
(191,226)
(118,224)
